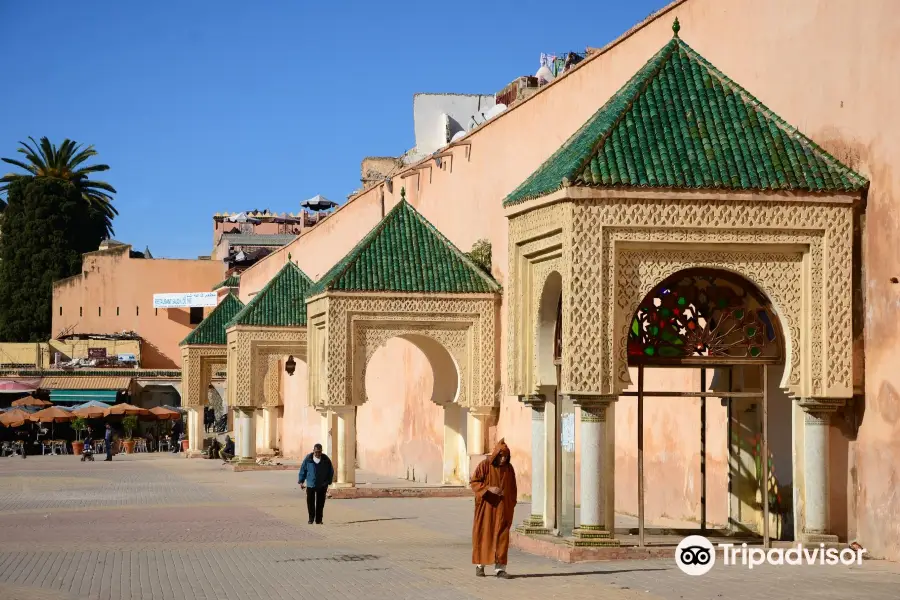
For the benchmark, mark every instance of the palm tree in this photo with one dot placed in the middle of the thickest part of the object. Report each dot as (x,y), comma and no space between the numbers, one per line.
(46,160)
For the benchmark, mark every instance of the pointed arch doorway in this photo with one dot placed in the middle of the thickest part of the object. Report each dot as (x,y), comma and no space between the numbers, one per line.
(720,325)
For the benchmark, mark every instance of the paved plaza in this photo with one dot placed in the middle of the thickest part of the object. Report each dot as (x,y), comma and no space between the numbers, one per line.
(154,527)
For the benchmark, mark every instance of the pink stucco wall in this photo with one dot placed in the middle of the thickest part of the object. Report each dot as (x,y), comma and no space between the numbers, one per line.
(827,68)
(115,293)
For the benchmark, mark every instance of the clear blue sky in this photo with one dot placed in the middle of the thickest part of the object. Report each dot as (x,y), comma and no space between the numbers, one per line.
(200,107)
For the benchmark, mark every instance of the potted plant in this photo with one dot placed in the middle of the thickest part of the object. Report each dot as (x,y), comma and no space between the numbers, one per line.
(130,424)
(79,425)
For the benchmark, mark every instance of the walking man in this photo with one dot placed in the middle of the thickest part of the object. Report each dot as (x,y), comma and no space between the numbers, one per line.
(494,484)
(108,440)
(316,474)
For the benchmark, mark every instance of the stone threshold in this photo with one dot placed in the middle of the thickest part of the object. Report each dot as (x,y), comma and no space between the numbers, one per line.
(354,493)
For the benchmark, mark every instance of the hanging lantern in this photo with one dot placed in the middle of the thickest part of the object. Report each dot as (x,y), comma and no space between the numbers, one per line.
(290,365)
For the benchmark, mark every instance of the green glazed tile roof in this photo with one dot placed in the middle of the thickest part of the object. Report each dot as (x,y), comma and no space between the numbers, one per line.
(280,303)
(233,281)
(211,330)
(405,253)
(680,123)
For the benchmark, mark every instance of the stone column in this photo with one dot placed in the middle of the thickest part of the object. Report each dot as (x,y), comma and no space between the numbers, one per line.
(476,431)
(270,427)
(535,524)
(817,419)
(328,437)
(245,433)
(595,476)
(346,446)
(195,432)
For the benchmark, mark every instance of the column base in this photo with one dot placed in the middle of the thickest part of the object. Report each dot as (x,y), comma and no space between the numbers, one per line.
(194,454)
(242,460)
(592,536)
(818,538)
(533,525)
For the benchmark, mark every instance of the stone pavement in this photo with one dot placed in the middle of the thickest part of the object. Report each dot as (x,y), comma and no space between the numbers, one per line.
(160,527)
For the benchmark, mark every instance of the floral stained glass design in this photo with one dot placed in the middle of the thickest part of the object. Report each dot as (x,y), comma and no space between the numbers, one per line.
(703,314)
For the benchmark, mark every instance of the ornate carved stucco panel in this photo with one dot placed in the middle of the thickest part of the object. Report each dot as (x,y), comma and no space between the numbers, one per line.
(824,228)
(435,314)
(198,366)
(254,361)
(537,242)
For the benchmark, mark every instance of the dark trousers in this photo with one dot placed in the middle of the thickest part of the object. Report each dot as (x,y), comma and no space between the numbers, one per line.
(108,449)
(315,502)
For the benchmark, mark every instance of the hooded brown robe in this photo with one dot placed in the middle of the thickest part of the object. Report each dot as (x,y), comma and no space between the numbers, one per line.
(493,513)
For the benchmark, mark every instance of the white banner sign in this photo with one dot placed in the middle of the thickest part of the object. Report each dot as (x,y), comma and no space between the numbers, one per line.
(184,300)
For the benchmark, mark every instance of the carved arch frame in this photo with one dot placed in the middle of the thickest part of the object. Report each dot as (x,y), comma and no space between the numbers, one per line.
(347,328)
(198,368)
(613,247)
(254,362)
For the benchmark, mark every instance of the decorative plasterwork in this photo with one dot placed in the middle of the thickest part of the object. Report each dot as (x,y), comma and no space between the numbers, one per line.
(254,362)
(347,329)
(198,365)
(797,250)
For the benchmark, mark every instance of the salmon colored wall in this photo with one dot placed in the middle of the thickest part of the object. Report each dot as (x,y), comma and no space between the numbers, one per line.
(110,280)
(827,68)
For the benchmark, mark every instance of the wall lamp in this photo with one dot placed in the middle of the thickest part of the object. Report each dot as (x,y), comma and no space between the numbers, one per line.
(290,365)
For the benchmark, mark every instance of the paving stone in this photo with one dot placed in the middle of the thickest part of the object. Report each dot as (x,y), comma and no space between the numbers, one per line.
(160,527)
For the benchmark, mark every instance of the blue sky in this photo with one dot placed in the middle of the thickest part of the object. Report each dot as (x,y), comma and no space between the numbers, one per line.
(201,107)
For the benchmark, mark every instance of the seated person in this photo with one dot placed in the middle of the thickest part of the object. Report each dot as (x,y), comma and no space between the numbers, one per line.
(214,447)
(227,453)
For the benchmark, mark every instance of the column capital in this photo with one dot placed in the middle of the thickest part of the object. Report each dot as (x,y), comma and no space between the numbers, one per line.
(535,401)
(821,406)
(587,401)
(481,411)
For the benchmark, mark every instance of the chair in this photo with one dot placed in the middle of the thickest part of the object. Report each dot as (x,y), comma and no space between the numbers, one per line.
(163,445)
(99,446)
(140,445)
(6,449)
(45,446)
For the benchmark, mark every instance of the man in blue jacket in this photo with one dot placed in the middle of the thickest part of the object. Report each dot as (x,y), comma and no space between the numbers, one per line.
(316,474)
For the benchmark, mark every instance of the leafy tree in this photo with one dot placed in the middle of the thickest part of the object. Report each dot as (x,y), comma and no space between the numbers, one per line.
(45,160)
(480,254)
(52,215)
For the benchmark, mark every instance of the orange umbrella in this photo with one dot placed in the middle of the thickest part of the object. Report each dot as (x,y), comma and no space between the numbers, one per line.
(31,401)
(15,417)
(164,414)
(125,409)
(54,414)
(90,412)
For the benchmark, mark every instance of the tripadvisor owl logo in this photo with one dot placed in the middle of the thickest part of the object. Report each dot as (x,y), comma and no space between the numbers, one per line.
(695,555)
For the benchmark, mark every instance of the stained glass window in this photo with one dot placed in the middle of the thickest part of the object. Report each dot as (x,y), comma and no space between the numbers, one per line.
(699,313)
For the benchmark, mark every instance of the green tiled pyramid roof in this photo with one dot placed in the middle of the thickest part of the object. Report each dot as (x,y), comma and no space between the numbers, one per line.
(211,330)
(405,253)
(280,303)
(232,281)
(680,123)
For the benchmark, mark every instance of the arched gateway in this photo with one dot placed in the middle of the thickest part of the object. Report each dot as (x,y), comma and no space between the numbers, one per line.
(405,279)
(682,193)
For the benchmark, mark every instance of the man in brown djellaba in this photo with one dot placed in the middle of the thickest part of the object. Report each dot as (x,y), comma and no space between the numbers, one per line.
(494,484)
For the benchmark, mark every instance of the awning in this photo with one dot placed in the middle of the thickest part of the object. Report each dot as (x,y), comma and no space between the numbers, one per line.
(83,396)
(18,385)
(119,384)
(81,389)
